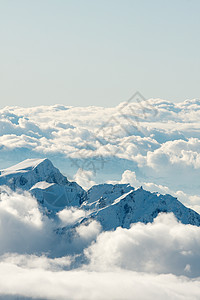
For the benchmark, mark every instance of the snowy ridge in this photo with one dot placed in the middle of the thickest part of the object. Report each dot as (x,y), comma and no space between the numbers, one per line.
(111,205)
(140,206)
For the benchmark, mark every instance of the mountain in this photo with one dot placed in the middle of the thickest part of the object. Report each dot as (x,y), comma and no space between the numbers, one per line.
(44,182)
(111,205)
(113,210)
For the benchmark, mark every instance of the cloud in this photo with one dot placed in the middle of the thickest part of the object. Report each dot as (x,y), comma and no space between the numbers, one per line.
(150,261)
(164,246)
(84,178)
(162,147)
(181,152)
(22,226)
(25,228)
(29,279)
(69,216)
(89,231)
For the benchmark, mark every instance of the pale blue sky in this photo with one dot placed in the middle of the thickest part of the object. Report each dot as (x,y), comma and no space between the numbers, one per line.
(98,52)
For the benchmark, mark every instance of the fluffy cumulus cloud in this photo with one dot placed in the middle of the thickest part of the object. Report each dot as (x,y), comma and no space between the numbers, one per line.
(25,228)
(84,178)
(164,246)
(21,219)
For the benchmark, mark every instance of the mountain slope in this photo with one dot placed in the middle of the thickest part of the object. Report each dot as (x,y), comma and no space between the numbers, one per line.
(139,206)
(111,205)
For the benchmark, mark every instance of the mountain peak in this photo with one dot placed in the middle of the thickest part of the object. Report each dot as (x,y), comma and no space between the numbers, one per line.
(30,171)
(26,165)
(44,182)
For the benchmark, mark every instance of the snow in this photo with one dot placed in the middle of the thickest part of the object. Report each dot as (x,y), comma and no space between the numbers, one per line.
(141,206)
(43,185)
(26,165)
(113,205)
(44,181)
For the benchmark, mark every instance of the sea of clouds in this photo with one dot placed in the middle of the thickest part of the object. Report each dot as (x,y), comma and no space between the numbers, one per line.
(158,141)
(153,143)
(159,260)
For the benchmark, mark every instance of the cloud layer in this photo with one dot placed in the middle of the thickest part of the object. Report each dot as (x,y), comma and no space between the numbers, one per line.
(81,284)
(159,140)
(147,261)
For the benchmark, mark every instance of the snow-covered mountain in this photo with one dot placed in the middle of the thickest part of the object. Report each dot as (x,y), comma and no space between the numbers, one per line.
(122,205)
(111,205)
(44,181)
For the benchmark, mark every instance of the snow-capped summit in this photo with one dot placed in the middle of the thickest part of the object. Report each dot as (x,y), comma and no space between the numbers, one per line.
(44,181)
(29,172)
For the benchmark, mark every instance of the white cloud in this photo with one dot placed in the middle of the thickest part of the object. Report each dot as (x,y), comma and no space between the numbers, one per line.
(163,147)
(89,231)
(125,263)
(22,226)
(25,229)
(84,178)
(83,284)
(164,246)
(71,215)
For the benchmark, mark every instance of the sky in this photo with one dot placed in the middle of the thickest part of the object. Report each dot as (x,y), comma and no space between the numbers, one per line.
(98,52)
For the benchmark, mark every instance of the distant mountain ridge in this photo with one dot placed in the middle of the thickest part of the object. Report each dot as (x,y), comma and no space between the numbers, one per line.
(111,205)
